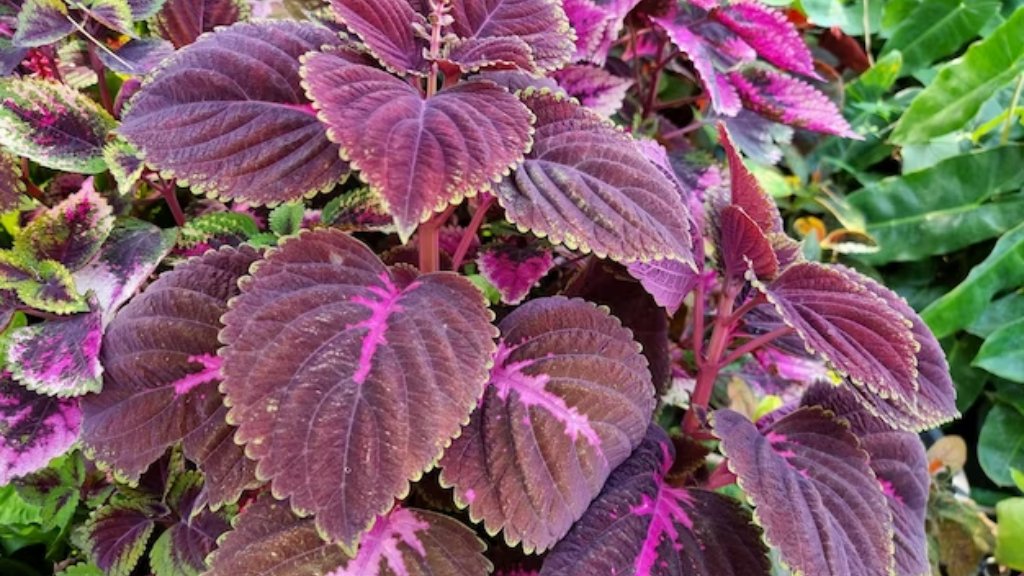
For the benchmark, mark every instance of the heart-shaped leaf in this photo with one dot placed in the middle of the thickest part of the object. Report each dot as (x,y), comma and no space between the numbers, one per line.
(34,429)
(71,232)
(813,491)
(513,269)
(183,21)
(657,528)
(420,154)
(790,101)
(59,357)
(769,33)
(586,184)
(540,24)
(326,337)
(503,53)
(41,22)
(569,398)
(227,116)
(162,372)
(387,29)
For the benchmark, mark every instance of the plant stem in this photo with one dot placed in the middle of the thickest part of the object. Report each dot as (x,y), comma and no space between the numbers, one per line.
(754,344)
(429,243)
(1004,135)
(692,126)
(698,323)
(708,367)
(866,19)
(169,192)
(101,79)
(748,306)
(652,90)
(30,187)
(470,232)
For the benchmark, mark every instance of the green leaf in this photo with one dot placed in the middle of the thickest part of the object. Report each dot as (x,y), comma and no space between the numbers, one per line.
(996,314)
(81,570)
(1010,536)
(1001,443)
(953,204)
(125,164)
(964,84)
(215,224)
(53,290)
(1018,478)
(969,381)
(14,510)
(877,80)
(936,29)
(286,219)
(56,489)
(1002,353)
(41,22)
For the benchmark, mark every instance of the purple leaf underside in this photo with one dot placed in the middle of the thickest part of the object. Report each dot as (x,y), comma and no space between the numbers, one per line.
(594,87)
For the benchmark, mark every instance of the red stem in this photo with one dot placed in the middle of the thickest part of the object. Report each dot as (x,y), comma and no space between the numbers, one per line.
(754,344)
(30,187)
(428,241)
(684,130)
(168,191)
(708,367)
(467,236)
(748,306)
(652,90)
(698,323)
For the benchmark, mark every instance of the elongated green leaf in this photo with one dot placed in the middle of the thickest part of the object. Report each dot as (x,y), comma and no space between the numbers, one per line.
(953,204)
(1003,352)
(963,85)
(938,28)
(1001,443)
(1010,538)
(1003,268)
(998,313)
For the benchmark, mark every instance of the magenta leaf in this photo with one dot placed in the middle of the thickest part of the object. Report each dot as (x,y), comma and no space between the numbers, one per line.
(183,21)
(34,429)
(640,524)
(227,116)
(41,22)
(540,24)
(11,185)
(46,286)
(71,232)
(117,535)
(59,357)
(594,87)
(744,246)
(162,373)
(569,398)
(514,269)
(790,101)
(597,24)
(324,334)
(769,32)
(899,460)
(587,185)
(388,30)
(420,154)
(814,494)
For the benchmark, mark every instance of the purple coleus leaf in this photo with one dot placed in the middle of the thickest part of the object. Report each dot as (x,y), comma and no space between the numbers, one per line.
(541,25)
(514,268)
(116,15)
(162,372)
(586,184)
(227,116)
(71,232)
(790,101)
(41,22)
(594,87)
(597,24)
(569,398)
(744,246)
(642,525)
(11,185)
(745,191)
(34,428)
(183,21)
(145,9)
(323,334)
(59,357)
(118,534)
(502,53)
(420,154)
(388,30)
(758,137)
(814,493)
(668,281)
(137,57)
(769,32)
(901,465)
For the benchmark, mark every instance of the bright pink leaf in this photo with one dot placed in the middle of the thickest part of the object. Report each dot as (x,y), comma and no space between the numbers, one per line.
(513,269)
(790,101)
(59,357)
(769,32)
(71,232)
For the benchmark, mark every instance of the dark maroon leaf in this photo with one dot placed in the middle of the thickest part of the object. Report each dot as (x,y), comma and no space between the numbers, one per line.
(34,429)
(640,524)
(594,87)
(161,378)
(540,24)
(513,269)
(59,357)
(744,246)
(71,232)
(784,99)
(668,281)
(420,154)
(227,115)
(569,398)
(746,192)
(899,460)
(117,536)
(587,185)
(388,29)
(325,334)
(502,53)
(41,22)
(769,32)
(814,494)
(182,21)
(137,57)
(181,550)
(11,186)
(517,80)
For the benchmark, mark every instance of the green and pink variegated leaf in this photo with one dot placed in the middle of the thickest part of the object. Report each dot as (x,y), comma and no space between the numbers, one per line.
(901,465)
(46,286)
(71,232)
(594,87)
(586,184)
(53,124)
(227,116)
(540,24)
(130,254)
(569,398)
(183,21)
(41,22)
(813,491)
(769,32)
(420,154)
(34,428)
(162,372)
(117,535)
(790,101)
(642,525)
(514,268)
(59,357)
(125,165)
(324,334)
(11,185)
(388,30)
(597,24)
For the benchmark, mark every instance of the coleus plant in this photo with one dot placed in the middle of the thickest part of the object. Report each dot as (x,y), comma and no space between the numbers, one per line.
(355,405)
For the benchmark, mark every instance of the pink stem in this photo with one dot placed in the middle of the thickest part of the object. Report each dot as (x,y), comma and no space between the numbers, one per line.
(708,367)
(467,236)
(754,344)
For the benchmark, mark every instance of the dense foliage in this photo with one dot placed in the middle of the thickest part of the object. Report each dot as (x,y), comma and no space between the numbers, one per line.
(453,287)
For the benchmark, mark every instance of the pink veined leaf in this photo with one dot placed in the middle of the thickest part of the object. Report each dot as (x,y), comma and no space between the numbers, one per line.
(790,101)
(501,53)
(162,372)
(11,185)
(34,428)
(569,398)
(597,24)
(183,21)
(41,22)
(227,115)
(59,357)
(71,232)
(746,192)
(514,269)
(324,334)
(420,154)
(769,32)
(901,465)
(388,29)
(744,246)
(540,24)
(586,185)
(594,87)
(813,491)
(659,529)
